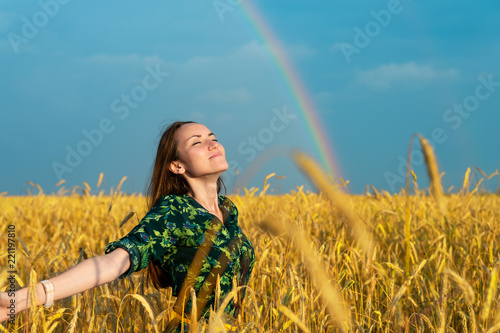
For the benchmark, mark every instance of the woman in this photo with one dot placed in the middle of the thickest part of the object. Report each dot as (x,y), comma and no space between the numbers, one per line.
(189,239)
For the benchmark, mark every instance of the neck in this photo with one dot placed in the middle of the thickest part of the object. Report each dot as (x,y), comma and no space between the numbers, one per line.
(204,191)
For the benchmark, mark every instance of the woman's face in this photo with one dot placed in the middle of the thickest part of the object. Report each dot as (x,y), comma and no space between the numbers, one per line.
(199,152)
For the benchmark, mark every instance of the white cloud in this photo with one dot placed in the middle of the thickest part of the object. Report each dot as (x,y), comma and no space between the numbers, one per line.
(323,97)
(336,47)
(300,51)
(11,43)
(123,59)
(199,61)
(387,75)
(253,50)
(240,95)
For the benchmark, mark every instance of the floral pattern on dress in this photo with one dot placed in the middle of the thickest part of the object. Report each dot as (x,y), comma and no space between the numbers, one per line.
(172,232)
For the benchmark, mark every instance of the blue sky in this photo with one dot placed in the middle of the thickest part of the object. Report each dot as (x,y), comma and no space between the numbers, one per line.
(100,81)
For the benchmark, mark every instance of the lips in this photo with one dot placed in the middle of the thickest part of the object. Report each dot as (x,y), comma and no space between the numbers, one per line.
(218,154)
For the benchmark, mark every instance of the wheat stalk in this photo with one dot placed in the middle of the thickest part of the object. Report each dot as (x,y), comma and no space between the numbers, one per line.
(319,179)
(432,171)
(51,230)
(329,292)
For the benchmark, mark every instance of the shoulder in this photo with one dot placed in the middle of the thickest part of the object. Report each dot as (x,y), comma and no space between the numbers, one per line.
(224,199)
(168,205)
(171,200)
(177,205)
(228,204)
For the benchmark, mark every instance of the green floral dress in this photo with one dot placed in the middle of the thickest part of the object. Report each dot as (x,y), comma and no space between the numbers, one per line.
(194,249)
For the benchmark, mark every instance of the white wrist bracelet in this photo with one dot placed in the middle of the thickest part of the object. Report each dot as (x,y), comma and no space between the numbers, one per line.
(49,293)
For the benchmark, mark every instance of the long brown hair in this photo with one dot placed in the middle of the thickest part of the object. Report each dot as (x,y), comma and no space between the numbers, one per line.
(164,182)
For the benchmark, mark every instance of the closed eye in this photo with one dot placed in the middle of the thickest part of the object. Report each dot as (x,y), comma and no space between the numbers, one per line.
(197,142)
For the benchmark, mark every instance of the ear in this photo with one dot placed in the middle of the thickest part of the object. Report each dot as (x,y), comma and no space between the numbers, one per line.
(177,168)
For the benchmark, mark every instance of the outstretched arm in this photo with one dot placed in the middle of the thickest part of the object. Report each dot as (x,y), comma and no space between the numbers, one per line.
(86,275)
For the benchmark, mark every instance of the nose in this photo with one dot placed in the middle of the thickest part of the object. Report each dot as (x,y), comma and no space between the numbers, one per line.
(213,145)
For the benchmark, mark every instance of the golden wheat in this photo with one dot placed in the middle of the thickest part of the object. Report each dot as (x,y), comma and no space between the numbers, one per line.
(334,263)
(433,171)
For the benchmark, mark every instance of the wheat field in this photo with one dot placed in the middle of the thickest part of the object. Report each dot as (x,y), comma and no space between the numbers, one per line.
(325,261)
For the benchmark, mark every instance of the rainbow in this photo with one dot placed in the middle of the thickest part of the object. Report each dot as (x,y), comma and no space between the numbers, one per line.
(299,93)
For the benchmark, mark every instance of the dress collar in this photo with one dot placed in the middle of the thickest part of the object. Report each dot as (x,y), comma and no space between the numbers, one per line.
(224,205)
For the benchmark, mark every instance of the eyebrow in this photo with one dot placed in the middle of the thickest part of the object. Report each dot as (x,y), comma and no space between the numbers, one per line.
(199,136)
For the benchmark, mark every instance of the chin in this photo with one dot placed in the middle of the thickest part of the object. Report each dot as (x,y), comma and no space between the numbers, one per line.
(223,169)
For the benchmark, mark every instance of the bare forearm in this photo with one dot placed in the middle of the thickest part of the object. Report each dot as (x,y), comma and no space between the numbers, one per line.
(86,275)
